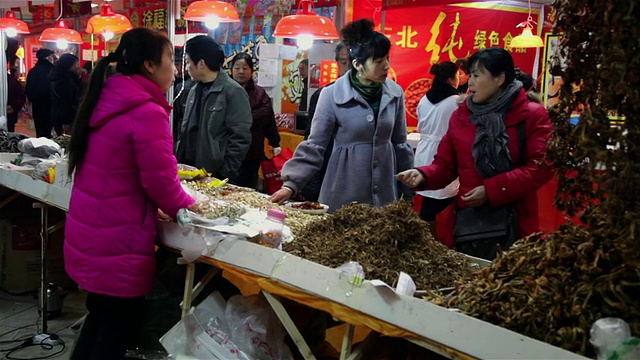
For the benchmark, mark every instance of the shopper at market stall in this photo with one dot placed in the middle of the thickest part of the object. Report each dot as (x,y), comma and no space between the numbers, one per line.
(264,121)
(121,151)
(495,143)
(15,99)
(311,191)
(65,92)
(364,112)
(434,112)
(463,74)
(216,129)
(303,69)
(38,91)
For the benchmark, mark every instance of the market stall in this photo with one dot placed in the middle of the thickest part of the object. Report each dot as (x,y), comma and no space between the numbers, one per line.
(376,307)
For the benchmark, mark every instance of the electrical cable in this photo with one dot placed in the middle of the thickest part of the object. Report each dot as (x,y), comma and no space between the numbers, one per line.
(42,344)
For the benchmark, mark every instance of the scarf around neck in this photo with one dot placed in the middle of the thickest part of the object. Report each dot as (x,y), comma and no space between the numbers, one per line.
(440,91)
(370,93)
(490,149)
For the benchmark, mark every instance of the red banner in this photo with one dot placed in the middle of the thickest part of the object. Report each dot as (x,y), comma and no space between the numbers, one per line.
(423,36)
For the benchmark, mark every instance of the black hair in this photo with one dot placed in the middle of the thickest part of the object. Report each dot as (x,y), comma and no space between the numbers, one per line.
(443,71)
(135,48)
(496,61)
(88,66)
(463,64)
(528,84)
(364,42)
(202,47)
(305,61)
(339,48)
(243,56)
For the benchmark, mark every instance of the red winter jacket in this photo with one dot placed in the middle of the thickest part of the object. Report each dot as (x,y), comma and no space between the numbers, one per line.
(127,173)
(454,158)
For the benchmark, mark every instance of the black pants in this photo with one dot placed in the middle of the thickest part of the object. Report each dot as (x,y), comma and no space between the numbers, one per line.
(111,324)
(248,174)
(43,126)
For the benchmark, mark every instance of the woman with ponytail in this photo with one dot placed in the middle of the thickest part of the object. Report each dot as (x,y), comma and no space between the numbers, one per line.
(122,153)
(364,112)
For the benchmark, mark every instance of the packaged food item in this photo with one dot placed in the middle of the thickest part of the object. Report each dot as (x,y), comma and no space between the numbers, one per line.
(271,231)
(186,172)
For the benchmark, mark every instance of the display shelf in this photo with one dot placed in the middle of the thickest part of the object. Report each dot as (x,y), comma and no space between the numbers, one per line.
(37,189)
(435,327)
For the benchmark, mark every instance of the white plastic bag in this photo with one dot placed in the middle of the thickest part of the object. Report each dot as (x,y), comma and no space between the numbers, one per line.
(256,329)
(39,147)
(613,341)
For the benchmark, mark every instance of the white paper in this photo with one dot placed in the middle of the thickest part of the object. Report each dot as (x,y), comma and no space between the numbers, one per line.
(86,55)
(268,51)
(288,52)
(406,286)
(268,66)
(267,79)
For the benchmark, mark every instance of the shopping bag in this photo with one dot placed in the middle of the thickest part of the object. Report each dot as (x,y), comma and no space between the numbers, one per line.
(271,169)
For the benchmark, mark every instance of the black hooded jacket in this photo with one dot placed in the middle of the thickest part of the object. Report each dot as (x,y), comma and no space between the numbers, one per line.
(65,96)
(38,89)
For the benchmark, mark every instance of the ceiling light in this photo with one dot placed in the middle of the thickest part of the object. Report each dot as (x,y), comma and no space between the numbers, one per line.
(61,35)
(305,26)
(527,39)
(108,21)
(12,26)
(211,12)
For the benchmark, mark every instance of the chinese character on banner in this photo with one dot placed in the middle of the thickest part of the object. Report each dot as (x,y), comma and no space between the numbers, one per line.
(406,36)
(135,20)
(328,72)
(147,19)
(451,43)
(159,20)
(507,42)
(480,40)
(387,30)
(494,38)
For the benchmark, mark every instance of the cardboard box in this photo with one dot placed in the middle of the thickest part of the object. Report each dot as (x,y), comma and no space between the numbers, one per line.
(62,178)
(20,257)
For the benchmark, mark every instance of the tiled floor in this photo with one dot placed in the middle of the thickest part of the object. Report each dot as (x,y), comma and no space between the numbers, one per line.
(19,319)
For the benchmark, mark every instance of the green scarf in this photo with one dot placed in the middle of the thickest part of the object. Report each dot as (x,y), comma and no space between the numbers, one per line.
(370,93)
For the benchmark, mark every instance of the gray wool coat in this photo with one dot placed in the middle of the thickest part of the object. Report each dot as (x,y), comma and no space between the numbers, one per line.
(366,153)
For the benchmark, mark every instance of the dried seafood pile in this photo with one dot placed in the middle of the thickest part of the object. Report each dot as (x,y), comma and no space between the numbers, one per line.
(384,241)
(248,197)
(554,287)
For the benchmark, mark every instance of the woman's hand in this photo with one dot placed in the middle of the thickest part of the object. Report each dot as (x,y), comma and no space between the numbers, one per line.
(476,197)
(281,195)
(412,178)
(163,217)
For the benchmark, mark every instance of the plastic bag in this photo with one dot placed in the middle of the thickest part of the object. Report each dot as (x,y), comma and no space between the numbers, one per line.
(39,147)
(255,328)
(3,123)
(186,172)
(353,271)
(613,341)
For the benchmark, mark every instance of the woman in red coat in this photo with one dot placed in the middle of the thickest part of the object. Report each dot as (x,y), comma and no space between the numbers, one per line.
(495,143)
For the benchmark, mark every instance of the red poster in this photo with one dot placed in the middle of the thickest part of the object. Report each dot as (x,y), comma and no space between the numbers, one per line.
(328,72)
(426,35)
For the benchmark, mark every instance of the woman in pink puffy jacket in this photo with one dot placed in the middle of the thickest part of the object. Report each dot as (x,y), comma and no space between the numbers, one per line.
(122,153)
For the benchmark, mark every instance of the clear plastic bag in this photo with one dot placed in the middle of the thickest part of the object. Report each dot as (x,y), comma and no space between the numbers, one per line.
(353,271)
(38,147)
(255,328)
(613,341)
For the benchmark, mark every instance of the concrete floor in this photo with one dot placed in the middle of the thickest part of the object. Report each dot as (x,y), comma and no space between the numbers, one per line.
(19,320)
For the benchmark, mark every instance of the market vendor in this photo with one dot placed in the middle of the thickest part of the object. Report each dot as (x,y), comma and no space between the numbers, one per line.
(495,143)
(364,112)
(122,154)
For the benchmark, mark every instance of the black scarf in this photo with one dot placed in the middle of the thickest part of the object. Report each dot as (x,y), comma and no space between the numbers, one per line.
(440,91)
(490,149)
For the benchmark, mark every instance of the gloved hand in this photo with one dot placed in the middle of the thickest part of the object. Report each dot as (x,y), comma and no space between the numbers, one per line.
(277,151)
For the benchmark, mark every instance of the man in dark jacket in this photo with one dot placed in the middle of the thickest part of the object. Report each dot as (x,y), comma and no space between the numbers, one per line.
(65,92)
(38,92)
(15,100)
(216,130)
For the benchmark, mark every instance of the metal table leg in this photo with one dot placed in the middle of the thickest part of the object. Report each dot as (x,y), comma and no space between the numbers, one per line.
(291,328)
(190,291)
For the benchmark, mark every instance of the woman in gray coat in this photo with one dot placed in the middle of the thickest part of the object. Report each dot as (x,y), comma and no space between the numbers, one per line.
(364,111)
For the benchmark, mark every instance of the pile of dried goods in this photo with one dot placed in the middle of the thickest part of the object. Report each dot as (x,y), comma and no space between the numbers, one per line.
(250,198)
(384,241)
(554,287)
